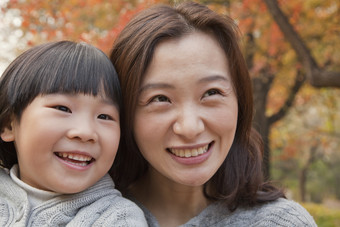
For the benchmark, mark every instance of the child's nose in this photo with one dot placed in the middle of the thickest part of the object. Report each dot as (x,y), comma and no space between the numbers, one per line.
(83,130)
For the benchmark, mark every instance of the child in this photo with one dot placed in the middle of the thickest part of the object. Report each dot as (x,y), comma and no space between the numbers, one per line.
(59,121)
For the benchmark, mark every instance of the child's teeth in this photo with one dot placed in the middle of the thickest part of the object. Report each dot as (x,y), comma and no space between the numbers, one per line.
(76,157)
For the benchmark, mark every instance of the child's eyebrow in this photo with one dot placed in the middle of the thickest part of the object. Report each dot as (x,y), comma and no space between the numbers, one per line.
(107,101)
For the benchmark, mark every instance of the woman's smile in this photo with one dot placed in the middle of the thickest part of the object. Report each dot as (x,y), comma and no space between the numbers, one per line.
(188,102)
(192,156)
(189,152)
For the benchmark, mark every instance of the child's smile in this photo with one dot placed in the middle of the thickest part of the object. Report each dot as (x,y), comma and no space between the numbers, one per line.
(75,159)
(66,143)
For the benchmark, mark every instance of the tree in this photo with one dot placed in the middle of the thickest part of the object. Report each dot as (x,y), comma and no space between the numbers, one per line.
(305,145)
(277,68)
(316,75)
(282,54)
(93,21)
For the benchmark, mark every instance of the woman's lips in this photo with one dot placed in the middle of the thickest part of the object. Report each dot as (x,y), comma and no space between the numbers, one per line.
(189,152)
(191,156)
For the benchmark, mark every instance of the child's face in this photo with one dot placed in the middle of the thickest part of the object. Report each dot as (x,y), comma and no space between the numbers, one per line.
(65,143)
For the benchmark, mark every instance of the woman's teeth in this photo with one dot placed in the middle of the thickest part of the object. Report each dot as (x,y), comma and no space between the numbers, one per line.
(189,152)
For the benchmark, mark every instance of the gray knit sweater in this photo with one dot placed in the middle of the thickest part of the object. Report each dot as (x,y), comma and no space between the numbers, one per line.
(281,212)
(99,205)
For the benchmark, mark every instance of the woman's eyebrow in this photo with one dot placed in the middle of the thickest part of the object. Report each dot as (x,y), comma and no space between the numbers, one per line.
(150,86)
(214,78)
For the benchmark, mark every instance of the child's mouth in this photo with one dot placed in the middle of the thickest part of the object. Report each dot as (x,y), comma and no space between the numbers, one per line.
(75,159)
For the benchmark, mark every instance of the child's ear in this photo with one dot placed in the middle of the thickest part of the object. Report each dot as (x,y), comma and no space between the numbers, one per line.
(7,134)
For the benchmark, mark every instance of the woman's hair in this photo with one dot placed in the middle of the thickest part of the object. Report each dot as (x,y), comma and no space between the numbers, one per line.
(56,67)
(239,180)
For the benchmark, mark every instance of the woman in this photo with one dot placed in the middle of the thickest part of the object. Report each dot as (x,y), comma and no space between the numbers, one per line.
(189,155)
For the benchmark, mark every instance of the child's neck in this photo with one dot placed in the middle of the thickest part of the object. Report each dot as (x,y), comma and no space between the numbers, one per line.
(35,196)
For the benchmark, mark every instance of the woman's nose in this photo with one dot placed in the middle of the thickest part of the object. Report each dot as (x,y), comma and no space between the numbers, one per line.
(189,122)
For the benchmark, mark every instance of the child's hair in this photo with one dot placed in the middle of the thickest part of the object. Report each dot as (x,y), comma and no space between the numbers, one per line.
(57,67)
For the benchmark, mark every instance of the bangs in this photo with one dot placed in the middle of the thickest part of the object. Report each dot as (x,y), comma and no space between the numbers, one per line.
(64,67)
(77,71)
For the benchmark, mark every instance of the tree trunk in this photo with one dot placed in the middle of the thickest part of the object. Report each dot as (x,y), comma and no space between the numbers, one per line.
(316,76)
(302,184)
(260,89)
(304,171)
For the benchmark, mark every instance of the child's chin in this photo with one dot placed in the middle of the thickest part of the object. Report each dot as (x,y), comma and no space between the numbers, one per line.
(71,189)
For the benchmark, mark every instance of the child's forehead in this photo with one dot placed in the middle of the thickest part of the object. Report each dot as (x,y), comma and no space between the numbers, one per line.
(105,98)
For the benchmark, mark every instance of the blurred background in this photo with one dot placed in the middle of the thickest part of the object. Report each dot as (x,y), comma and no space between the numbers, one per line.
(292,49)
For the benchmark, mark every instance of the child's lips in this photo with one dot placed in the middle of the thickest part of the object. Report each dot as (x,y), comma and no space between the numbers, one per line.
(75,158)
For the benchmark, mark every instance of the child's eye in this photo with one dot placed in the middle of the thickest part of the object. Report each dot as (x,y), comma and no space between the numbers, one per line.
(211,92)
(63,108)
(160,98)
(105,117)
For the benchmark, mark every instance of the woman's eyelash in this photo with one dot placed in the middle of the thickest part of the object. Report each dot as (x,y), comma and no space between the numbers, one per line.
(159,98)
(211,92)
(63,108)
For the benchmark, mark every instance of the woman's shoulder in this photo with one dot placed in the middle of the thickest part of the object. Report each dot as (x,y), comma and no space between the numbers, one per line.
(281,212)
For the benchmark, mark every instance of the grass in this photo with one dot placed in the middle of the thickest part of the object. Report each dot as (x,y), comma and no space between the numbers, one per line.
(323,216)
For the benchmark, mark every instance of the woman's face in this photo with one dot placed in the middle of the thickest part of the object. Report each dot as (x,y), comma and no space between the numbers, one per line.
(187,110)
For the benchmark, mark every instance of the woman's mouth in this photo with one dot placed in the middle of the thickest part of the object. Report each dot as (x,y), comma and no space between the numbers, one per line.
(187,153)
(75,159)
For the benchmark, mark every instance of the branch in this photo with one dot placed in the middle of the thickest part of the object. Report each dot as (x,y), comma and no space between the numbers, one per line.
(299,81)
(316,76)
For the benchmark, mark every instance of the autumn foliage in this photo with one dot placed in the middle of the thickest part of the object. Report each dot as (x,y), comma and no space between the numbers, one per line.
(93,21)
(314,113)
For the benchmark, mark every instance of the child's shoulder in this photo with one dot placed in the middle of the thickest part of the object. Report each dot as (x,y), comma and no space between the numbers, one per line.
(12,200)
(4,171)
(110,207)
(6,181)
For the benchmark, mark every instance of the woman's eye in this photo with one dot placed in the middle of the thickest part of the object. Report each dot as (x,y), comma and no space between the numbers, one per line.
(160,98)
(211,92)
(63,108)
(105,117)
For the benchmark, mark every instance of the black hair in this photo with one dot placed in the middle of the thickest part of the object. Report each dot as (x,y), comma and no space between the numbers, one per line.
(56,67)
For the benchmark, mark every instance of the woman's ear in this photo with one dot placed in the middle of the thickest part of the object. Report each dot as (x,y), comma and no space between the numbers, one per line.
(7,134)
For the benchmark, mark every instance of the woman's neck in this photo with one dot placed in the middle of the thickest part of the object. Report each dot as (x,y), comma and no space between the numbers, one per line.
(171,203)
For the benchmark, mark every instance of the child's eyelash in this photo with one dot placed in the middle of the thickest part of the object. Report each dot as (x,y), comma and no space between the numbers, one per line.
(62,108)
(105,117)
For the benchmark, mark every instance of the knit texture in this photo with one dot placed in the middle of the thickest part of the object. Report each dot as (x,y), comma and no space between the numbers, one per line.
(99,205)
(281,212)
